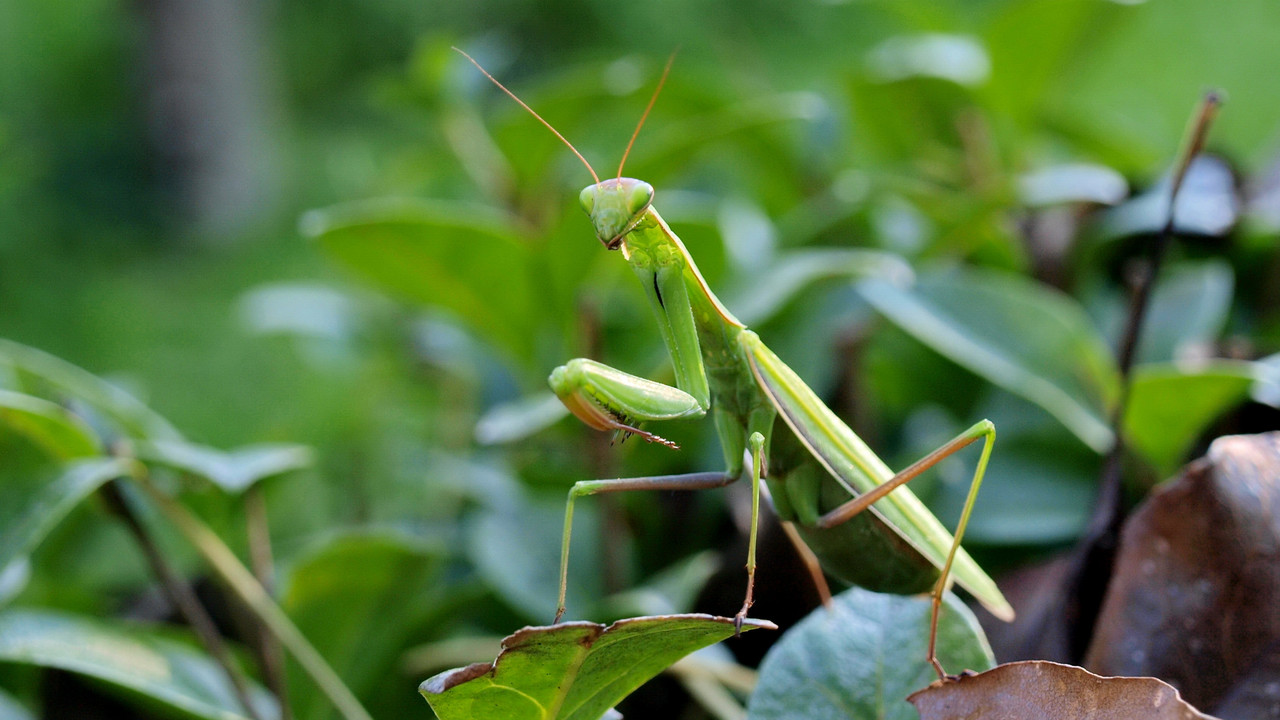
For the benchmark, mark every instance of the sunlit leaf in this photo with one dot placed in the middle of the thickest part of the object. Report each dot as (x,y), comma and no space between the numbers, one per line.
(761,297)
(135,418)
(1170,406)
(186,683)
(55,429)
(234,471)
(861,658)
(572,671)
(1016,334)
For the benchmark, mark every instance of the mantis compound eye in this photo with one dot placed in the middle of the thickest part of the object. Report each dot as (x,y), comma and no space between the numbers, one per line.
(639,196)
(588,198)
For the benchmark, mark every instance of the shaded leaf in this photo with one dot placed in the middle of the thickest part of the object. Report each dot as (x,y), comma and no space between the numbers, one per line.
(1015,333)
(234,471)
(572,671)
(182,680)
(55,429)
(1169,407)
(516,548)
(1188,310)
(135,418)
(1040,689)
(443,254)
(24,530)
(359,598)
(1257,695)
(862,657)
(1193,599)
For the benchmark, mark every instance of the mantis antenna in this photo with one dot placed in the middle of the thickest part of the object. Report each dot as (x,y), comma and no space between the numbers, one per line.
(661,81)
(504,89)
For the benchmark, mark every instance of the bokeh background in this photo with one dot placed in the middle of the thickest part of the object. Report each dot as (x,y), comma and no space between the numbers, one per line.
(192,197)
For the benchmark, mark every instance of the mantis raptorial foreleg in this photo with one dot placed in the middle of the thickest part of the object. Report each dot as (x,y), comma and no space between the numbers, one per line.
(722,368)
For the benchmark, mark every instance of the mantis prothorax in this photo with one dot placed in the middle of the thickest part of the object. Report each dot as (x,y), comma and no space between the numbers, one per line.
(821,476)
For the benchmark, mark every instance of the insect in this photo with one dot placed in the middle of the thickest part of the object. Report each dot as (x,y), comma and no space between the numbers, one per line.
(821,476)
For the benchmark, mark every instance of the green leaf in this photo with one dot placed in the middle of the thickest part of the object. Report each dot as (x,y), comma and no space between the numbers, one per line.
(861,658)
(1015,333)
(58,431)
(360,598)
(763,296)
(465,258)
(11,710)
(24,530)
(572,671)
(134,418)
(183,681)
(1170,407)
(233,471)
(515,546)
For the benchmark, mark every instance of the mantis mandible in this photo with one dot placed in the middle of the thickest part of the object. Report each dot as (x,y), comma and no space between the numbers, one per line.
(821,476)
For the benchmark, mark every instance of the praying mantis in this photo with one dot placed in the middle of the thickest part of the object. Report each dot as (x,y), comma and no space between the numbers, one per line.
(772,427)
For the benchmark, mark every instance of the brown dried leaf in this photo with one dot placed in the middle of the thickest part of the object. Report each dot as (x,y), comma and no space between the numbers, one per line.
(1197,582)
(1038,689)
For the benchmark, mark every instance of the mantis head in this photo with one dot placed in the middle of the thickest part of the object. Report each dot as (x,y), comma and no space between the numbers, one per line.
(615,207)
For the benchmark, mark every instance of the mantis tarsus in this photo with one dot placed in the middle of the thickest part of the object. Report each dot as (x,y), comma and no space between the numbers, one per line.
(821,476)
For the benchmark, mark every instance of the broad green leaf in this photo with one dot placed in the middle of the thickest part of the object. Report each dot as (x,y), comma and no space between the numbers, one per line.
(1188,311)
(763,296)
(465,258)
(519,418)
(28,525)
(572,671)
(58,431)
(14,578)
(360,598)
(516,548)
(1170,407)
(863,657)
(183,681)
(234,471)
(1186,314)
(1015,333)
(11,710)
(134,418)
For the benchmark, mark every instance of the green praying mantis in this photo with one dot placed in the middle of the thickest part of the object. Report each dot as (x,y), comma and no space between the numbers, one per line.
(772,427)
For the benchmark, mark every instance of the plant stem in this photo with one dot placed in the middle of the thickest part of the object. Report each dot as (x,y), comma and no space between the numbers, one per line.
(242,582)
(180,595)
(272,657)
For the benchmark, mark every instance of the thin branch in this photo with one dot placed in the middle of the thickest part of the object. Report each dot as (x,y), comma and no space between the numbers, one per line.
(242,582)
(271,654)
(180,595)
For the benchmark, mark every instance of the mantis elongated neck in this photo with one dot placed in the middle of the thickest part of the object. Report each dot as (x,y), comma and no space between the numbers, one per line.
(652,243)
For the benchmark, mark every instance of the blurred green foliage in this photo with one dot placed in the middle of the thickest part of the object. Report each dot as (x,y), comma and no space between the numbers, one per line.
(446,269)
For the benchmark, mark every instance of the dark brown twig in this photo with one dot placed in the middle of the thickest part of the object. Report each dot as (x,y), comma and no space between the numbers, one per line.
(1095,554)
(180,595)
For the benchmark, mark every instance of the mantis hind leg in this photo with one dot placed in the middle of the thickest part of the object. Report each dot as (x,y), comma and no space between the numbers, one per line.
(984,431)
(755,445)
